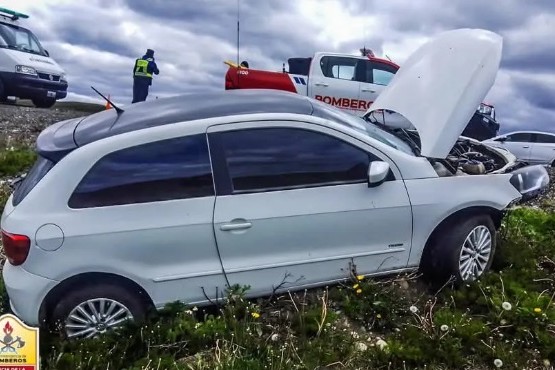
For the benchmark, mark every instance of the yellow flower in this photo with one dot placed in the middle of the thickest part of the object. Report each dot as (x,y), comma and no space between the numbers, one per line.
(256,315)
(360,277)
(359,291)
(355,286)
(537,310)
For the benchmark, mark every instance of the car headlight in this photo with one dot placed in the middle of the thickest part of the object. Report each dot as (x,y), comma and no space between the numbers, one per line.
(26,70)
(530,179)
(63,77)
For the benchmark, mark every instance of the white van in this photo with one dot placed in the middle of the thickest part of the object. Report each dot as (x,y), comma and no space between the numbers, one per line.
(26,69)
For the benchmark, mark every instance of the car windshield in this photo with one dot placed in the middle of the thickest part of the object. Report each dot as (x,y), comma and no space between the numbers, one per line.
(375,132)
(18,38)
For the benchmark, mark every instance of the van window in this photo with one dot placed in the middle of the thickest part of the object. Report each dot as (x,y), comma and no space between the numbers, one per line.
(19,38)
(171,169)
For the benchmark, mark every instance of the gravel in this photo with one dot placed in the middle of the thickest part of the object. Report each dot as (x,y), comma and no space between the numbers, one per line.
(21,125)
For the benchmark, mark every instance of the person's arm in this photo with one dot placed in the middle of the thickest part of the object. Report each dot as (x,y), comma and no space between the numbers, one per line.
(154,67)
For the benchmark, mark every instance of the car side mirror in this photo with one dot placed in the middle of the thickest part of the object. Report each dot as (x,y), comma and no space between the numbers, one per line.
(47,53)
(377,173)
(501,139)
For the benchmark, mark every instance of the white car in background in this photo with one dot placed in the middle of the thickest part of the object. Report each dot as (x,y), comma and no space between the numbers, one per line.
(534,147)
(182,197)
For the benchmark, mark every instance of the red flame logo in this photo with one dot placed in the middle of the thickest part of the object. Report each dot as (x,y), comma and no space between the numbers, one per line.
(8,328)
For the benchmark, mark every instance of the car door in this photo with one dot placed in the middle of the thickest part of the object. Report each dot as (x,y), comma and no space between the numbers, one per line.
(518,143)
(293,207)
(376,77)
(148,208)
(543,149)
(334,80)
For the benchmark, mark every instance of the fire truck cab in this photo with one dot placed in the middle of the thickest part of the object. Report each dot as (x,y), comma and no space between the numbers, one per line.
(348,82)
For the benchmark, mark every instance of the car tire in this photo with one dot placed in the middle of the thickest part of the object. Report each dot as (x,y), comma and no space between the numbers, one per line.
(44,103)
(458,251)
(100,300)
(3,96)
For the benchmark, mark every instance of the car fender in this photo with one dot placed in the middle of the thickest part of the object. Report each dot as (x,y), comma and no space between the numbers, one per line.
(434,200)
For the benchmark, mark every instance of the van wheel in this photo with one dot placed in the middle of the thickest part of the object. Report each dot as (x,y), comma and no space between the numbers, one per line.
(44,103)
(86,312)
(463,251)
(3,96)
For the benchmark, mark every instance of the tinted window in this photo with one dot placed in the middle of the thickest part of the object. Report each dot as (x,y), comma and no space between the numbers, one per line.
(164,170)
(285,158)
(339,67)
(379,73)
(521,137)
(541,138)
(35,174)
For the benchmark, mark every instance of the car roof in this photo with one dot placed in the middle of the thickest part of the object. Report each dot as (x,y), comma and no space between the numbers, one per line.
(57,140)
(528,132)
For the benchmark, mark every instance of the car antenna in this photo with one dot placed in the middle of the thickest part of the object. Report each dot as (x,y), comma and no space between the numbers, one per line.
(118,109)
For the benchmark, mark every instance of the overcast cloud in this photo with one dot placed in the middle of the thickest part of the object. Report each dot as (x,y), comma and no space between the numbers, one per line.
(96,41)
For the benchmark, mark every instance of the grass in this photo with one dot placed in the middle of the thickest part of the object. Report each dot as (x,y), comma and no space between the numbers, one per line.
(507,317)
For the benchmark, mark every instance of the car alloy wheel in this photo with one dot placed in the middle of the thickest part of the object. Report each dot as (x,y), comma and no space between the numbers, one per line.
(475,253)
(96,316)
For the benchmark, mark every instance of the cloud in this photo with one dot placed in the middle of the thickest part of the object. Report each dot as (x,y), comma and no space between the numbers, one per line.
(97,41)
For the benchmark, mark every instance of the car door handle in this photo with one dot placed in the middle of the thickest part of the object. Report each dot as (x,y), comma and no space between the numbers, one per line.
(368,90)
(321,84)
(235,226)
(526,146)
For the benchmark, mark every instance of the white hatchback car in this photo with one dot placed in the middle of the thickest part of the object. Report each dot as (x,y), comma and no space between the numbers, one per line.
(179,198)
(534,147)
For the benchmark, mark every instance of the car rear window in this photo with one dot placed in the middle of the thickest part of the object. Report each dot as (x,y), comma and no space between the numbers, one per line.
(35,174)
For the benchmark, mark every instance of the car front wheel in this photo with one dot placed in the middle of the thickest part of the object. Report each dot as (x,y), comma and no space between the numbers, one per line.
(463,251)
(94,310)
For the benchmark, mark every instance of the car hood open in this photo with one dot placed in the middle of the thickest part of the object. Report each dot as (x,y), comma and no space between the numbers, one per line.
(441,84)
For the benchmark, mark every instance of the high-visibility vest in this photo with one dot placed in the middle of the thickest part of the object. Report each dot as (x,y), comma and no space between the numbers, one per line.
(141,68)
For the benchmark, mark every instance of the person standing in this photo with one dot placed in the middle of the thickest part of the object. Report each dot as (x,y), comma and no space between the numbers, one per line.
(143,70)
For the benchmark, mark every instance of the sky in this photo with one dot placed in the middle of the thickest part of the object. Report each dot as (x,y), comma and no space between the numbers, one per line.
(97,41)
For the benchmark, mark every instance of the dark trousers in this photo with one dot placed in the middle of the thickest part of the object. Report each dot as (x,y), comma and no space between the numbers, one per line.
(140,88)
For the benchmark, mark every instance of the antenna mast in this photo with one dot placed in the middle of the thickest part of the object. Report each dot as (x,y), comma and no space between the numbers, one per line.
(238,7)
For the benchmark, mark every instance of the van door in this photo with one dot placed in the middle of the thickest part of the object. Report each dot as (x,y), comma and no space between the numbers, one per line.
(335,80)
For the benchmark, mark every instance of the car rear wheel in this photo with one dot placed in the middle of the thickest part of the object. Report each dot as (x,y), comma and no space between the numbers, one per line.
(463,251)
(94,310)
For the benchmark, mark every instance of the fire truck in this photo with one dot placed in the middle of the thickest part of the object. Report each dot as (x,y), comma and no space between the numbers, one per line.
(348,82)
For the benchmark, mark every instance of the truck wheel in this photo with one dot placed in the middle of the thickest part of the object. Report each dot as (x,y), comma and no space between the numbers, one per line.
(44,103)
(464,251)
(88,311)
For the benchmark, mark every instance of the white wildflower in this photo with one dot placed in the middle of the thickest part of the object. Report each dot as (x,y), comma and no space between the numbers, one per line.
(354,334)
(361,346)
(503,322)
(189,312)
(507,306)
(195,308)
(274,337)
(546,363)
(381,343)
(413,309)
(497,362)
(444,327)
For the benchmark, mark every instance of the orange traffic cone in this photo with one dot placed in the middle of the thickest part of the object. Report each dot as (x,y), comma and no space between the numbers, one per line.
(108,105)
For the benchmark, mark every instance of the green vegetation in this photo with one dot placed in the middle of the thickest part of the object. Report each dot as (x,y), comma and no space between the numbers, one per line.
(507,319)
(14,161)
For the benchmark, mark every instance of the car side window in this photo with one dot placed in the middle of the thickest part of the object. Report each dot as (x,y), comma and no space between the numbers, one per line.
(547,139)
(521,137)
(177,168)
(379,73)
(343,68)
(268,159)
